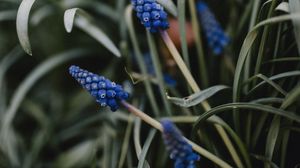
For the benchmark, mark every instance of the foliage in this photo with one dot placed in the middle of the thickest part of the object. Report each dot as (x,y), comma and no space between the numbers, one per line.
(247,114)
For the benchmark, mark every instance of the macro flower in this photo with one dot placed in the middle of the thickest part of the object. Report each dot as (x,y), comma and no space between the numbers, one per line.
(215,35)
(180,150)
(105,92)
(151,14)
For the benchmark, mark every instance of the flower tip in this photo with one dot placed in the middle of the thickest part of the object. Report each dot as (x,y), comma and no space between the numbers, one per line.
(201,6)
(105,92)
(167,125)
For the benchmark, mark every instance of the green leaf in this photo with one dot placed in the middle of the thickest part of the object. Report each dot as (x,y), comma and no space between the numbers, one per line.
(169,5)
(8,15)
(84,22)
(198,97)
(78,156)
(291,97)
(22,24)
(146,148)
(248,106)
(275,77)
(295,9)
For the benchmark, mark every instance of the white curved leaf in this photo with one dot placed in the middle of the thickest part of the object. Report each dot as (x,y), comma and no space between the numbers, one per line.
(22,24)
(284,7)
(84,22)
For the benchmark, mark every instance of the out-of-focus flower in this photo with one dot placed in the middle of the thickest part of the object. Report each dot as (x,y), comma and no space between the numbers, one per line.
(106,93)
(151,14)
(215,35)
(174,33)
(180,150)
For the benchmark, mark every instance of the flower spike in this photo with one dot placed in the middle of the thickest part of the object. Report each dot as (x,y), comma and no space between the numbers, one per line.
(151,14)
(180,150)
(215,35)
(105,92)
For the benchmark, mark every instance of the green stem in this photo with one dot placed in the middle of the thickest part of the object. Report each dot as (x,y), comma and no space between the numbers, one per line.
(140,60)
(154,123)
(158,72)
(195,87)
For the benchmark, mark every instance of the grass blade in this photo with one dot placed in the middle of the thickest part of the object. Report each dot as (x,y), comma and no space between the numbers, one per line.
(84,22)
(169,5)
(22,24)
(295,9)
(146,148)
(249,106)
(198,97)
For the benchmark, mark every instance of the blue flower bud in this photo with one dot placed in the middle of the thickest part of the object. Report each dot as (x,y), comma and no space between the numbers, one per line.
(147,7)
(146,16)
(151,14)
(107,93)
(180,150)
(215,35)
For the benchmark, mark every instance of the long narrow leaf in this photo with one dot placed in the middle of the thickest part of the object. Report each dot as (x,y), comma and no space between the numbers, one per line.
(83,21)
(22,24)
(198,97)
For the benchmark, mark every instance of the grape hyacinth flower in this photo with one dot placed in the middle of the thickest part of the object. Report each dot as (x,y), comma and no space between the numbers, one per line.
(151,14)
(215,35)
(105,92)
(180,150)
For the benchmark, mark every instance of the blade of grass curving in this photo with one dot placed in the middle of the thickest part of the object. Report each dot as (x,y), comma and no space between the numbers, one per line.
(182,31)
(8,15)
(125,144)
(268,100)
(249,106)
(276,60)
(78,156)
(5,63)
(263,41)
(85,23)
(292,97)
(236,138)
(266,80)
(198,97)
(272,139)
(284,145)
(22,24)
(247,44)
(265,160)
(276,77)
(158,72)
(295,9)
(146,147)
(169,5)
(33,77)
(284,7)
(99,7)
(141,63)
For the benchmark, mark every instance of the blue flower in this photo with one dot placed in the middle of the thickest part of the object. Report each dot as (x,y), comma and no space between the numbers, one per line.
(106,93)
(215,35)
(180,150)
(151,14)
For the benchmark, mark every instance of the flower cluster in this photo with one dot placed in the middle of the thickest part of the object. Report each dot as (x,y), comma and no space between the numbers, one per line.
(151,14)
(179,149)
(214,33)
(107,93)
